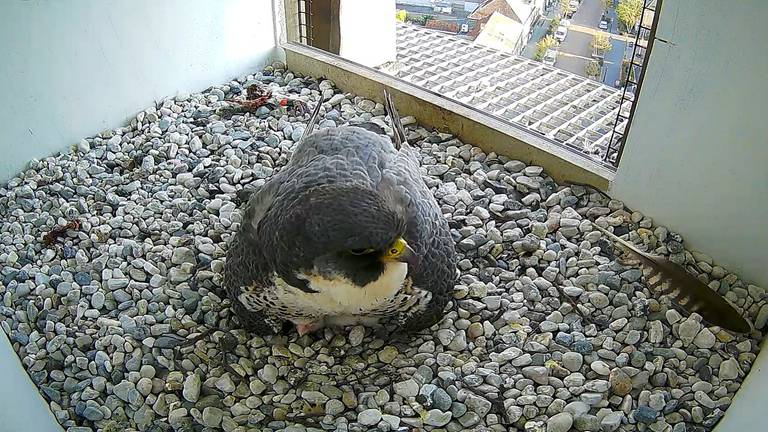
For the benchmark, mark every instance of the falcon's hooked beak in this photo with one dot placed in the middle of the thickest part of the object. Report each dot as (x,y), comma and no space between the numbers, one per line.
(400,251)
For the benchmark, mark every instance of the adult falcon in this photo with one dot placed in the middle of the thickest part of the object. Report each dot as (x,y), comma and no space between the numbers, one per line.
(347,232)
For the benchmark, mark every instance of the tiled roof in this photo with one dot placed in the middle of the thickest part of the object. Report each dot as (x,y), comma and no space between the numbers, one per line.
(562,106)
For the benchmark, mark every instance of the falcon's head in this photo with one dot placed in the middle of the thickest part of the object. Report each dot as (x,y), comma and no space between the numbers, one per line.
(338,232)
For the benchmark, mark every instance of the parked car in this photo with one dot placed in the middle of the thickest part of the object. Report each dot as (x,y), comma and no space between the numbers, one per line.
(565,23)
(561,33)
(550,57)
(605,23)
(573,5)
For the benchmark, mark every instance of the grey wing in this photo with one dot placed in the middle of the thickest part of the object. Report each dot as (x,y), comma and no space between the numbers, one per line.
(260,201)
(427,229)
(350,145)
(246,269)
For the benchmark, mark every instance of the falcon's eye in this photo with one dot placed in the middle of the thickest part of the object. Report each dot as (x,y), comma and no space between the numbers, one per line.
(360,251)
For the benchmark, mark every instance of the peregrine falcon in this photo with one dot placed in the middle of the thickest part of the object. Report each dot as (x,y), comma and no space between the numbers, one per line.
(346,233)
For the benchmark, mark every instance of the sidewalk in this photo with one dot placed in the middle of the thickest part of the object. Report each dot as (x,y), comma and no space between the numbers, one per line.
(613,61)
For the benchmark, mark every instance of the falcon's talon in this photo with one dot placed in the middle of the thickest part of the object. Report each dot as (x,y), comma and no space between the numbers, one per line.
(309,327)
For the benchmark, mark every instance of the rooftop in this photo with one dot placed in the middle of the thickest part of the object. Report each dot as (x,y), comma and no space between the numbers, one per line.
(571,110)
(515,10)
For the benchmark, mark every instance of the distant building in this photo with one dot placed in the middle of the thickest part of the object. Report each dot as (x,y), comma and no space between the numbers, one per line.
(470,6)
(446,26)
(443,7)
(505,24)
(503,33)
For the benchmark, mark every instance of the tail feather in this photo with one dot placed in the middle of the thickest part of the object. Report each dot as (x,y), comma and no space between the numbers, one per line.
(399,136)
(312,120)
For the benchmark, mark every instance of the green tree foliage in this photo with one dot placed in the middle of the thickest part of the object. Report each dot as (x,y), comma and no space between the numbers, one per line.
(601,42)
(543,45)
(401,15)
(553,26)
(592,69)
(629,11)
(627,71)
(418,19)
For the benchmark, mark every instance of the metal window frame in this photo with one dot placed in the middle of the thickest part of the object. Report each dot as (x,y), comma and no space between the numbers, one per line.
(303,14)
(657,6)
(609,124)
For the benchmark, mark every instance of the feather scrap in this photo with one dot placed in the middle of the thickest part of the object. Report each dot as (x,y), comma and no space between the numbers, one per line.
(399,133)
(312,121)
(666,278)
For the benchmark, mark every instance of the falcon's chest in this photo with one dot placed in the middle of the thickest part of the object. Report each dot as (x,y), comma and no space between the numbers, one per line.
(335,296)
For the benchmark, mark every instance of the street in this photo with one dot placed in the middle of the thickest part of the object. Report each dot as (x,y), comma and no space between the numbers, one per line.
(576,50)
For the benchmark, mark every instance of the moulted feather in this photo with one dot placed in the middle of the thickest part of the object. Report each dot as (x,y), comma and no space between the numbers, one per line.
(685,290)
(399,133)
(312,121)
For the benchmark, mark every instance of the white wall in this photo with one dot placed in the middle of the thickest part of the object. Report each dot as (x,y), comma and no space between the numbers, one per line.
(69,69)
(73,68)
(367,31)
(22,408)
(696,157)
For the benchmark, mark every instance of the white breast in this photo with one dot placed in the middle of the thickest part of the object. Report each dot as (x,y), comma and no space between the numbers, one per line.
(339,296)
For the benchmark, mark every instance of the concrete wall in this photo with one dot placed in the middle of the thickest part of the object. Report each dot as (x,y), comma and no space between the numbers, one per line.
(73,68)
(69,69)
(367,30)
(696,157)
(22,408)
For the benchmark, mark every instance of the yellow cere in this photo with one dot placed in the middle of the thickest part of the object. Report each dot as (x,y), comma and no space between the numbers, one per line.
(395,249)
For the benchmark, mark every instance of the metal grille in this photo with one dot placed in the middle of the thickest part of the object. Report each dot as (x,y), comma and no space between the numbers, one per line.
(568,109)
(304,20)
(641,49)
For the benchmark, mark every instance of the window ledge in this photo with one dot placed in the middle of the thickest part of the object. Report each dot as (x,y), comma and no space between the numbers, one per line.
(469,125)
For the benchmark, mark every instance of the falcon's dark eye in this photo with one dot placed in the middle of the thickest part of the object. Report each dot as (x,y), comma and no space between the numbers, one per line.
(360,251)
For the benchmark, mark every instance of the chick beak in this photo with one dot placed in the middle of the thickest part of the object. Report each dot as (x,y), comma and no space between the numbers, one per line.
(408,256)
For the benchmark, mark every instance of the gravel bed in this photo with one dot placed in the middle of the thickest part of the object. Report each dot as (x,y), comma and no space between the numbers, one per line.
(92,317)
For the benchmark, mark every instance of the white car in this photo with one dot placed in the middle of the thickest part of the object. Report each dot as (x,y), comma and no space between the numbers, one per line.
(573,6)
(550,57)
(565,23)
(605,22)
(561,33)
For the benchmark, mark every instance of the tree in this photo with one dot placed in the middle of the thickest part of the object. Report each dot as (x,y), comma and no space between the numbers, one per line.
(553,25)
(629,11)
(592,69)
(543,45)
(418,19)
(563,7)
(627,72)
(606,4)
(601,42)
(401,15)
